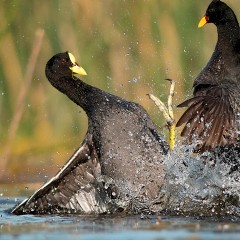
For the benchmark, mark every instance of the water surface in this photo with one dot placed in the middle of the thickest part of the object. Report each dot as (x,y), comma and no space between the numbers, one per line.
(113,227)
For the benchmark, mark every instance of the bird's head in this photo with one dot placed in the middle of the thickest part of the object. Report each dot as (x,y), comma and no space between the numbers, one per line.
(218,13)
(64,65)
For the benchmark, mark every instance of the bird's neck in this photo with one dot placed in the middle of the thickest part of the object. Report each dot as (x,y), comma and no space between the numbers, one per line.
(84,95)
(228,36)
(76,90)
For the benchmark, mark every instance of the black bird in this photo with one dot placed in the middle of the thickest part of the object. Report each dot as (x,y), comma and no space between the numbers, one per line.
(119,162)
(212,117)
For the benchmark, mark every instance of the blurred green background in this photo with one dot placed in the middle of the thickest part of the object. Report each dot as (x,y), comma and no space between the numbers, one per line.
(128,48)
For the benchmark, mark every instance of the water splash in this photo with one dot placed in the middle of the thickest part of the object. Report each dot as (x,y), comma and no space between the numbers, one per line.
(203,185)
(199,185)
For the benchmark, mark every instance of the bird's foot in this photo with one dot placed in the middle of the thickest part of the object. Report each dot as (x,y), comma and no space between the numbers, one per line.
(167,112)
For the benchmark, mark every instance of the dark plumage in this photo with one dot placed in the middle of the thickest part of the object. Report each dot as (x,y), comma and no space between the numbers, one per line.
(212,116)
(120,157)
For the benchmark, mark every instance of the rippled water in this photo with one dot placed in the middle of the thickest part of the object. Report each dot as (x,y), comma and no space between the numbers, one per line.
(113,227)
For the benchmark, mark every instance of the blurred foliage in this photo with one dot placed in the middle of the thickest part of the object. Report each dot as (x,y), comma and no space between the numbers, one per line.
(127,47)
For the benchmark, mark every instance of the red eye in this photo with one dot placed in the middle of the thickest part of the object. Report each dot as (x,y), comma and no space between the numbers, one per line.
(63,61)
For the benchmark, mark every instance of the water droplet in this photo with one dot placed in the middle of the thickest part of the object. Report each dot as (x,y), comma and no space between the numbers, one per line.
(135,80)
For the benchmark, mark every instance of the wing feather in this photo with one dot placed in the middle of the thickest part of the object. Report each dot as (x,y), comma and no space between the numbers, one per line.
(74,188)
(209,119)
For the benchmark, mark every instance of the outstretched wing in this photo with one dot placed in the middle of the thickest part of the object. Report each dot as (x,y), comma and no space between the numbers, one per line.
(209,120)
(74,189)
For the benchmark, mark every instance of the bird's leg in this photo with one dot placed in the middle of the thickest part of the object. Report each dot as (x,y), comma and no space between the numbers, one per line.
(167,112)
(171,124)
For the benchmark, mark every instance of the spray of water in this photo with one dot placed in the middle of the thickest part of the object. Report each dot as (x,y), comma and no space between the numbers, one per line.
(202,185)
(194,184)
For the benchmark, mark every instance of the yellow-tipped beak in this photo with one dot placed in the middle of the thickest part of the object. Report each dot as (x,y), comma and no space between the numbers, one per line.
(79,70)
(203,21)
(76,68)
